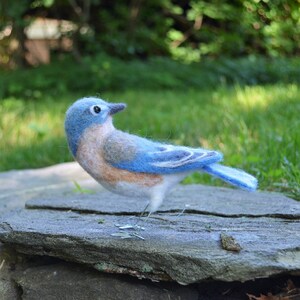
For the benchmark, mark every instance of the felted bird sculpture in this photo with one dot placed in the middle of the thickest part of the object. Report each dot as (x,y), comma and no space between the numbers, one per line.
(134,166)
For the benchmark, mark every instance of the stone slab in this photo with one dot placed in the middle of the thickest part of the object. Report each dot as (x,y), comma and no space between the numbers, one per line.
(22,180)
(184,248)
(59,222)
(196,198)
(18,186)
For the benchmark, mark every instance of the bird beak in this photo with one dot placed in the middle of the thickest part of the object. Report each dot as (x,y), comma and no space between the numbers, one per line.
(116,107)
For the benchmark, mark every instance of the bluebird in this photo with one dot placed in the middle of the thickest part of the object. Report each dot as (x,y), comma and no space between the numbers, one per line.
(130,165)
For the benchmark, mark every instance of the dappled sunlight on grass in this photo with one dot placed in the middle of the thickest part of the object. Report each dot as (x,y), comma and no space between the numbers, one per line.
(27,129)
(249,98)
(29,122)
(259,97)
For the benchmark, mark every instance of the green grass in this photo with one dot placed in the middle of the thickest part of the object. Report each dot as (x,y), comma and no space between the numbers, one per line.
(105,73)
(257,128)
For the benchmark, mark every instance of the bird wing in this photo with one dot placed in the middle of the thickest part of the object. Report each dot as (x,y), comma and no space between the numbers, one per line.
(136,154)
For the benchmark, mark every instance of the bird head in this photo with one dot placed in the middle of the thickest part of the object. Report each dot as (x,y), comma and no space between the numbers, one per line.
(87,112)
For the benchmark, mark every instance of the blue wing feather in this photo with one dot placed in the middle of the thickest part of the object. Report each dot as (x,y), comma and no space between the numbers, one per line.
(158,158)
(232,176)
(136,154)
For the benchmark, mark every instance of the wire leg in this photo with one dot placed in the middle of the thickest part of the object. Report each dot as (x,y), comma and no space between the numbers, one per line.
(142,214)
(144,210)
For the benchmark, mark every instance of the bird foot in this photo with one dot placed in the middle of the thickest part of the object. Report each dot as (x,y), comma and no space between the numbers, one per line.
(124,234)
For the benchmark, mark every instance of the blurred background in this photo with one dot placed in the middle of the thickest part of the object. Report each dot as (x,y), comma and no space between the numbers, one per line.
(220,74)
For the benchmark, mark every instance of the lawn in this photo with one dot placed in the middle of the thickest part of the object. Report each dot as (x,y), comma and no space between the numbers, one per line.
(257,128)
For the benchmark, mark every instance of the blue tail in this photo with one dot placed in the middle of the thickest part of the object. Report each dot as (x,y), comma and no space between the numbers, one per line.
(232,176)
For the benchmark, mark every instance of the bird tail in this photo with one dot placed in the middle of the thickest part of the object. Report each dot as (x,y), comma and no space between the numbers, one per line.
(232,176)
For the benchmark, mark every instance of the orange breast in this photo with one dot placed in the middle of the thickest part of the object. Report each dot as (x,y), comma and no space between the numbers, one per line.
(114,175)
(90,157)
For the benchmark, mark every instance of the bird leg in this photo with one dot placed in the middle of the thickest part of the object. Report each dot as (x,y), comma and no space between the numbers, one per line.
(144,210)
(142,214)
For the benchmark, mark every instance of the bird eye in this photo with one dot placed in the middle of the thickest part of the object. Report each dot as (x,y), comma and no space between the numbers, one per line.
(95,110)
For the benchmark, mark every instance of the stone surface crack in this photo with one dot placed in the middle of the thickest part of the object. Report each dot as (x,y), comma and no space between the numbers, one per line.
(170,211)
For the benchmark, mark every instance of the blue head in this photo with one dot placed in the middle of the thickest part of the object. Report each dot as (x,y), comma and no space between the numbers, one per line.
(85,113)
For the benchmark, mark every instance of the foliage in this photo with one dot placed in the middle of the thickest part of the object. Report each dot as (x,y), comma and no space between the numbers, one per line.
(187,30)
(103,73)
(256,127)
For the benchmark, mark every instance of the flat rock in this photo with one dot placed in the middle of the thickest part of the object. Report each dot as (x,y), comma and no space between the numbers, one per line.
(24,180)
(197,199)
(18,186)
(184,247)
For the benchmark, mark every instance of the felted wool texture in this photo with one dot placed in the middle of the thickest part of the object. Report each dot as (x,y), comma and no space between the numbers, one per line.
(119,147)
(90,157)
(79,118)
(232,176)
(134,166)
(136,154)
